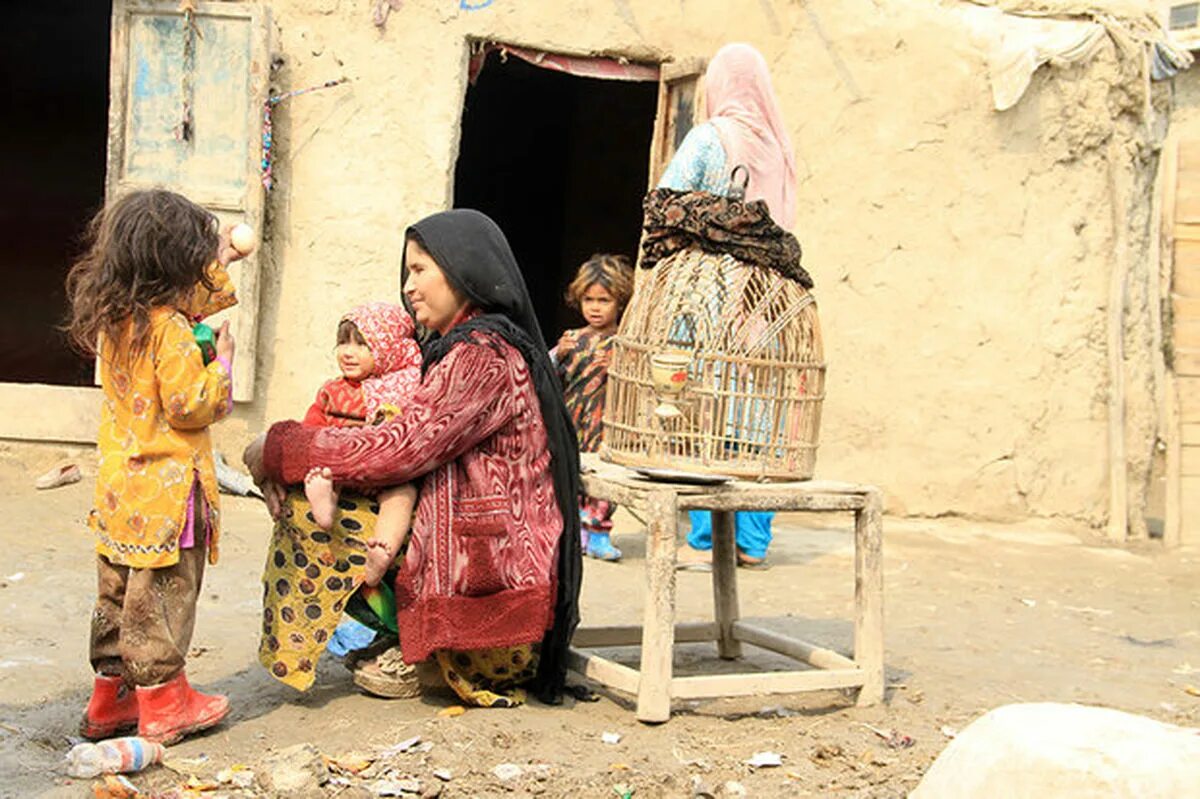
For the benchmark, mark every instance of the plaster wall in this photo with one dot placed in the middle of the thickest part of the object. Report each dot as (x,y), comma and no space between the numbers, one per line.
(961,256)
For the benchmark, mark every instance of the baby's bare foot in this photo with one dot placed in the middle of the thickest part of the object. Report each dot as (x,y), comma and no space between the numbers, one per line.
(379,558)
(318,487)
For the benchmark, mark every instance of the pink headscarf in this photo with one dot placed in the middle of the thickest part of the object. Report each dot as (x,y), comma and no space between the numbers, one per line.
(388,331)
(743,109)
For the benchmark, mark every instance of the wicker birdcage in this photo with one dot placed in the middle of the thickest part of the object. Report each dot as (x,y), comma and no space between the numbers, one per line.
(745,395)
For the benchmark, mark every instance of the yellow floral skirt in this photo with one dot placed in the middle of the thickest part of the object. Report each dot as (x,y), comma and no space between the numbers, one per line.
(312,576)
(489,677)
(309,577)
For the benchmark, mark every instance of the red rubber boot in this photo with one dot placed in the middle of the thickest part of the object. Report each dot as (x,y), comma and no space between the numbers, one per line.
(173,709)
(113,708)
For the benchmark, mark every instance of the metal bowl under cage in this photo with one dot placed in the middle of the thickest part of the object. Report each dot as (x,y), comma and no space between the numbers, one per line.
(718,367)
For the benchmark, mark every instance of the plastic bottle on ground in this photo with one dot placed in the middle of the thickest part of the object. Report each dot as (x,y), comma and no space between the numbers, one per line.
(114,756)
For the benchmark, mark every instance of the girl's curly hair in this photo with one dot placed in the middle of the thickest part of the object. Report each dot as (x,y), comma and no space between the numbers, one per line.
(613,272)
(149,248)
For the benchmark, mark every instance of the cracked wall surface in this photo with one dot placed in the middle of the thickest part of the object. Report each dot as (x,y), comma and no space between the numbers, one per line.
(962,256)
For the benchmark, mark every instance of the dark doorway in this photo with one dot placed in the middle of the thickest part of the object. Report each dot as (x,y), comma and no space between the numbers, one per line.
(561,164)
(52,157)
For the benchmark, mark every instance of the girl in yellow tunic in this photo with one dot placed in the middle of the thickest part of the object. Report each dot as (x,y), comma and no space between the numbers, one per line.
(155,265)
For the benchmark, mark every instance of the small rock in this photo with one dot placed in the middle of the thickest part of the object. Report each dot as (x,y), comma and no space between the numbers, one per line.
(611,737)
(444,774)
(733,788)
(297,772)
(507,771)
(396,787)
(765,760)
(238,776)
(700,790)
(401,747)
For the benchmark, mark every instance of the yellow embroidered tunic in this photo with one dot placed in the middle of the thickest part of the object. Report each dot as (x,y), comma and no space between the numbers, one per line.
(153,440)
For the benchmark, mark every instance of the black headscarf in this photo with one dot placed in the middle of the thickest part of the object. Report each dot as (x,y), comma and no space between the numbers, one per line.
(473,253)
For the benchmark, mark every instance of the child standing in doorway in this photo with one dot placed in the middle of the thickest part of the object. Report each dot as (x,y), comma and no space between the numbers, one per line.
(600,291)
(380,362)
(155,265)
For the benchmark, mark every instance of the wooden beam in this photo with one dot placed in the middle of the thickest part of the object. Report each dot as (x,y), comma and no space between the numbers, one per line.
(1187,274)
(768,682)
(724,583)
(814,655)
(1185,333)
(1163,327)
(1189,501)
(1189,462)
(776,500)
(691,66)
(1187,362)
(693,632)
(1183,307)
(1189,434)
(1176,434)
(868,599)
(604,671)
(1189,399)
(658,618)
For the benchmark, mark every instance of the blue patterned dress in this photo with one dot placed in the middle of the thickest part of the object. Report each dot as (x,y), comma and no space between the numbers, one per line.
(700,164)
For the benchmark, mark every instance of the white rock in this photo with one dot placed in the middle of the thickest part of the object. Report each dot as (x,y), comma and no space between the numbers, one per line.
(401,747)
(507,771)
(1051,750)
(395,787)
(611,737)
(765,760)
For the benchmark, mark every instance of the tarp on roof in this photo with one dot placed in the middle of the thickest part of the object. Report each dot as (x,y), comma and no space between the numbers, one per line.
(1019,36)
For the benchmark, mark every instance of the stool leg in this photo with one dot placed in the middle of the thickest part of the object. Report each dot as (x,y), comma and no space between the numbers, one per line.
(725,596)
(868,598)
(658,622)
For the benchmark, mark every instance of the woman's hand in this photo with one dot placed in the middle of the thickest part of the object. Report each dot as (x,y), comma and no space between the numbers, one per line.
(273,493)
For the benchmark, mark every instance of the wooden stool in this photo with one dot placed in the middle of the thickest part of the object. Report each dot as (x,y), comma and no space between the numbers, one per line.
(653,684)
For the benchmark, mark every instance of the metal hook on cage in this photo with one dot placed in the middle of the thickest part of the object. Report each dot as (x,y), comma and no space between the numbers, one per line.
(738,192)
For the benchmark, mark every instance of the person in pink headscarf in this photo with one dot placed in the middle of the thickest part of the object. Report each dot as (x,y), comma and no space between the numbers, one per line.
(380,362)
(744,128)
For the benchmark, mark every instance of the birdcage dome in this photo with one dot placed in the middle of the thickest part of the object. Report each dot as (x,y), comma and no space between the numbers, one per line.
(718,367)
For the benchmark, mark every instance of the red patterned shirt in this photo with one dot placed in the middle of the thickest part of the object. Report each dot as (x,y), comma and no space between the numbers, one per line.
(339,403)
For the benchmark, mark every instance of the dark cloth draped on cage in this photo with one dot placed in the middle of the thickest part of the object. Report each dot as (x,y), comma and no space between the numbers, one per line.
(718,365)
(677,220)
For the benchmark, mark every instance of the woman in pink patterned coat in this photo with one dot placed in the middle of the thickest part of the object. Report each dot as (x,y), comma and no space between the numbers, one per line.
(493,564)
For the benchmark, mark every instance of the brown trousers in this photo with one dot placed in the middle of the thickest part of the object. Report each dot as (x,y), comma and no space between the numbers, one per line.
(142,625)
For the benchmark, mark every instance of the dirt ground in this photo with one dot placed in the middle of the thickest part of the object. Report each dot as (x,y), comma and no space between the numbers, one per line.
(978,615)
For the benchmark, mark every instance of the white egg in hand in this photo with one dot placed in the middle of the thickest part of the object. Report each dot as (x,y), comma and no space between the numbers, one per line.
(242,238)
